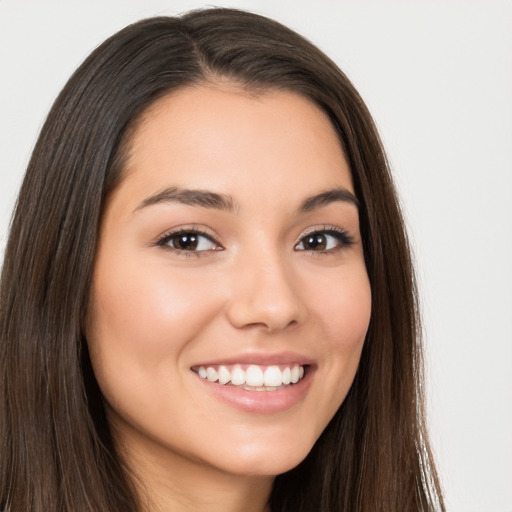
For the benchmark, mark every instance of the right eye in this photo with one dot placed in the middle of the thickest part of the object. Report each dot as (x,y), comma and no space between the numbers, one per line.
(189,241)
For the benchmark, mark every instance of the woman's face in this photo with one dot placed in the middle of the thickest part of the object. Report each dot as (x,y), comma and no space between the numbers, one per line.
(230,251)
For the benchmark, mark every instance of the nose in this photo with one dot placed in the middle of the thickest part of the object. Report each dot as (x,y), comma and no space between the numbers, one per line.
(265,294)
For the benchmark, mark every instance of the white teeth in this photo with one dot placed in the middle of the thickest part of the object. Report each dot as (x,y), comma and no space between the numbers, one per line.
(224,375)
(237,376)
(254,378)
(261,388)
(272,376)
(211,374)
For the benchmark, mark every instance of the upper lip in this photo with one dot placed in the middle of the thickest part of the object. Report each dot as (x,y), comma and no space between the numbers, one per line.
(263,359)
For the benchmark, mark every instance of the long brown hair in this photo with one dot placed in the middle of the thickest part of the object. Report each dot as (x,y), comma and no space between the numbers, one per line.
(56,448)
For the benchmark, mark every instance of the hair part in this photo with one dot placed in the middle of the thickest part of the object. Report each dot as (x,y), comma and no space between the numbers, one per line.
(57,448)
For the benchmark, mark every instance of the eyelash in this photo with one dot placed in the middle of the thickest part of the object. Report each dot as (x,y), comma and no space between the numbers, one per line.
(168,237)
(343,239)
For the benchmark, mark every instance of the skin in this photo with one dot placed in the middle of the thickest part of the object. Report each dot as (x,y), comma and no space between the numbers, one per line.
(157,311)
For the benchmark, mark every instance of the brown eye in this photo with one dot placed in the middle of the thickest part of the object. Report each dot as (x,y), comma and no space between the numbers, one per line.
(315,242)
(189,241)
(324,241)
(184,241)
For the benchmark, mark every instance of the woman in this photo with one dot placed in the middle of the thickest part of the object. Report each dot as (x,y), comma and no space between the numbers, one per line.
(207,298)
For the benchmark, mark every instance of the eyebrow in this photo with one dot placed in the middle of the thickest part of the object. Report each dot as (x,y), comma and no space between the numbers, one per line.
(329,196)
(208,199)
(190,197)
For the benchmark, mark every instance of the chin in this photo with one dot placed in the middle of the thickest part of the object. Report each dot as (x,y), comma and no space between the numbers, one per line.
(263,460)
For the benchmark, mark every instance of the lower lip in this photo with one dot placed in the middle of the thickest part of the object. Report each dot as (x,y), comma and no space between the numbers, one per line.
(261,402)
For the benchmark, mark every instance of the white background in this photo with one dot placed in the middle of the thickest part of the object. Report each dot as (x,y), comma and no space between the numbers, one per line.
(437,77)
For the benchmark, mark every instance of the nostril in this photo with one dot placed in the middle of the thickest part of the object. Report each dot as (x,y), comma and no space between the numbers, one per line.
(255,312)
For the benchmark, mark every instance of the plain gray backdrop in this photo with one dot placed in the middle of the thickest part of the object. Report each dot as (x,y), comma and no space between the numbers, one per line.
(437,77)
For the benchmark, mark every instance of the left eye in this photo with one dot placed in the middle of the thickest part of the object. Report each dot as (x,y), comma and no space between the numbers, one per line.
(189,241)
(321,241)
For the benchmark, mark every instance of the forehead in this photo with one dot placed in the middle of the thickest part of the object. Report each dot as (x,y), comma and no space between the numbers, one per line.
(221,137)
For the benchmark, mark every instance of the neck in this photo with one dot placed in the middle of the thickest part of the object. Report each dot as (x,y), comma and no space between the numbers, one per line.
(171,481)
(203,492)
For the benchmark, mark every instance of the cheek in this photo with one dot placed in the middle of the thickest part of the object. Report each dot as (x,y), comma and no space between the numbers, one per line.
(349,328)
(139,323)
(341,308)
(148,309)
(344,309)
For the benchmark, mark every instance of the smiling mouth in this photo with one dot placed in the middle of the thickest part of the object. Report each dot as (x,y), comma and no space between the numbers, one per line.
(253,377)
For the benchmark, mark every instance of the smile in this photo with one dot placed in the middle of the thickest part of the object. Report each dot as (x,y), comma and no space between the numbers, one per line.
(253,377)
